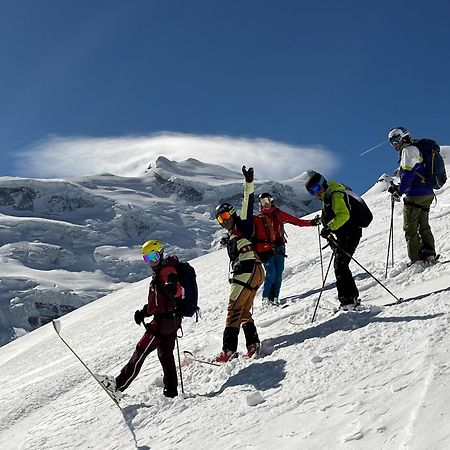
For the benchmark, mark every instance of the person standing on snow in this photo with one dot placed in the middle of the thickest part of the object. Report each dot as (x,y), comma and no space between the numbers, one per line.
(247,273)
(340,218)
(161,332)
(418,197)
(274,265)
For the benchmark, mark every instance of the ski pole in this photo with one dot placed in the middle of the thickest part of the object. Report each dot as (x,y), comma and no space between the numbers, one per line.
(334,242)
(391,238)
(179,365)
(320,251)
(190,357)
(323,285)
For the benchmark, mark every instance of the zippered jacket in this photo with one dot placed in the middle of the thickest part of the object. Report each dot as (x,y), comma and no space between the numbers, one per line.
(279,218)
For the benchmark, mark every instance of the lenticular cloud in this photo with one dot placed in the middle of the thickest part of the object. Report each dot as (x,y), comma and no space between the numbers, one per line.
(58,157)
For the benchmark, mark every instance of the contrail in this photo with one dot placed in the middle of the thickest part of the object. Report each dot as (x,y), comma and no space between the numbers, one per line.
(373,148)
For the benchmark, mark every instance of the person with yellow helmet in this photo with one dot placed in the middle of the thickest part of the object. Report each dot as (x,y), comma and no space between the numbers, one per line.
(160,333)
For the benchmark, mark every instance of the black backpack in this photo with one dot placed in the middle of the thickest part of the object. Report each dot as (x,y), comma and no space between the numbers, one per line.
(188,306)
(360,214)
(435,174)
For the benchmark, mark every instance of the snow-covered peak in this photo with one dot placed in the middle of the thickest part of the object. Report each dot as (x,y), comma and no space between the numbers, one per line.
(191,169)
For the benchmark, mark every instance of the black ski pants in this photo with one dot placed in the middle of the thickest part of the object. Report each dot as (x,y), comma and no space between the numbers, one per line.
(345,284)
(165,344)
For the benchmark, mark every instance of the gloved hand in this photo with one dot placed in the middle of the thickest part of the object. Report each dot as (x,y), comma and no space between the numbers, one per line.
(325,232)
(316,221)
(393,188)
(248,174)
(141,314)
(224,241)
(138,316)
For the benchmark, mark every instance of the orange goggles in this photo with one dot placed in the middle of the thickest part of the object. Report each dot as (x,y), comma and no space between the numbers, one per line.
(223,216)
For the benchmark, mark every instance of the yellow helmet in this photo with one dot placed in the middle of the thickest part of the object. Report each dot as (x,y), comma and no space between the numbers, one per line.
(152,246)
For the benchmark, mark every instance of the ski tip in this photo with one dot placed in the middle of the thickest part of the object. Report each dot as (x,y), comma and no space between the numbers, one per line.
(56,325)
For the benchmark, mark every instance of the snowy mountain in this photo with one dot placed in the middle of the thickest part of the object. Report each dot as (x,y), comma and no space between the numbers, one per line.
(64,243)
(371,380)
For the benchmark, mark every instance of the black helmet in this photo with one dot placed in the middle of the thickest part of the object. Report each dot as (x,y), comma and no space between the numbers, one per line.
(316,183)
(265,195)
(225,207)
(265,199)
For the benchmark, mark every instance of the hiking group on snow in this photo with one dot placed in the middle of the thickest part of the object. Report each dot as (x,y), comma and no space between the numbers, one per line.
(256,246)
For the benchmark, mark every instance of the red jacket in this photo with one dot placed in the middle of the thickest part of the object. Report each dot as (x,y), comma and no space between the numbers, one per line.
(279,218)
(159,301)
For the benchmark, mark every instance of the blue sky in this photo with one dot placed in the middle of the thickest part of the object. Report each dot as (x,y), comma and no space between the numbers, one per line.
(324,74)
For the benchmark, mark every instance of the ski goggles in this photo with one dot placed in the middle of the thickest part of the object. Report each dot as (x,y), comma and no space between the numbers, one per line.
(395,139)
(265,202)
(223,216)
(151,257)
(315,189)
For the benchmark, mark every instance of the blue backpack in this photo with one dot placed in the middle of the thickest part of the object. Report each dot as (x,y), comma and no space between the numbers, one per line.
(435,175)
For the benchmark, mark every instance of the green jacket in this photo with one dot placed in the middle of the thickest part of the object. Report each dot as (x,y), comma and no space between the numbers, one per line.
(335,210)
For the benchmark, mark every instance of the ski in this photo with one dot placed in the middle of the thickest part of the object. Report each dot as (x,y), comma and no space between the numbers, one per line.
(57,327)
(189,357)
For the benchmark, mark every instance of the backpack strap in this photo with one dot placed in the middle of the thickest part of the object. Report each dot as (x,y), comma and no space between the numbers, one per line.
(242,283)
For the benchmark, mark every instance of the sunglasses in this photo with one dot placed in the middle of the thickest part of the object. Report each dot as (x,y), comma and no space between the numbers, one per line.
(223,216)
(395,139)
(315,189)
(265,201)
(153,256)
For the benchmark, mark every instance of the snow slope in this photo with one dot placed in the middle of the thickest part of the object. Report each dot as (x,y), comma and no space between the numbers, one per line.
(378,379)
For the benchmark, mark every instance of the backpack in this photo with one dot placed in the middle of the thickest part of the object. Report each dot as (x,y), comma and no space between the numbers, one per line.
(360,214)
(187,277)
(263,237)
(435,175)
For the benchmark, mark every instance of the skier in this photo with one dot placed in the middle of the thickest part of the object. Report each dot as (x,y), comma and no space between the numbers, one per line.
(274,266)
(161,332)
(418,197)
(338,219)
(247,273)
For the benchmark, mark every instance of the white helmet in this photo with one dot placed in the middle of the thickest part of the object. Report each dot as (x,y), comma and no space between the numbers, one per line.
(397,135)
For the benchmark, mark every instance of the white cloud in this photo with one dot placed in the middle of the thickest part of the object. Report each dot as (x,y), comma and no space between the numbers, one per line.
(58,157)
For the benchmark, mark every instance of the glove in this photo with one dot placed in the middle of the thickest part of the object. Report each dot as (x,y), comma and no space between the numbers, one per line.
(224,241)
(325,232)
(141,314)
(316,221)
(248,174)
(393,189)
(139,317)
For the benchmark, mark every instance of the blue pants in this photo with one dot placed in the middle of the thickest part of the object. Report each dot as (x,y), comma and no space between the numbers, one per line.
(274,272)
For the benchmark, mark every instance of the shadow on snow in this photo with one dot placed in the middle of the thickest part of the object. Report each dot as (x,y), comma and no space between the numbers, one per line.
(344,322)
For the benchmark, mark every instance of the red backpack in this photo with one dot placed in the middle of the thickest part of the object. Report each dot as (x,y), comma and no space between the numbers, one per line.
(263,236)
